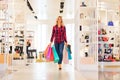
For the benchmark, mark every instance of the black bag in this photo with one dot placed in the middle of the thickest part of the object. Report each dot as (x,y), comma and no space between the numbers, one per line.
(69,47)
(17,49)
(83,4)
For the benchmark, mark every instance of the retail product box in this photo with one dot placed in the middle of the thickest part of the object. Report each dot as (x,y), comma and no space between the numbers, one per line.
(16,55)
(7,58)
(2,59)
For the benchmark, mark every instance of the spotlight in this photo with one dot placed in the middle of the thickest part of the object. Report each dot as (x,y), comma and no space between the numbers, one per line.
(61,5)
(35,17)
(61,11)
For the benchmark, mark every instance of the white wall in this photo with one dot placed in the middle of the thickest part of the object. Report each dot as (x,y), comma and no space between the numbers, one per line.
(70,38)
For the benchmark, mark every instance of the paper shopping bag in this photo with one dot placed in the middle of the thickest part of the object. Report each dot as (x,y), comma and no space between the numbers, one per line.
(56,57)
(46,51)
(69,54)
(51,55)
(65,56)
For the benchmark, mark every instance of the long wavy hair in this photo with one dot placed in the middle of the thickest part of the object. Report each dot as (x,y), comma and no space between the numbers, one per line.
(61,21)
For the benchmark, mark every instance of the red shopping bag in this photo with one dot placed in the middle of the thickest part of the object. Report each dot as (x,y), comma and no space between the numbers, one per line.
(51,55)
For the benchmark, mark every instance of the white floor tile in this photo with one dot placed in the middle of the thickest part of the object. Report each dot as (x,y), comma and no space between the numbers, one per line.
(49,71)
(43,71)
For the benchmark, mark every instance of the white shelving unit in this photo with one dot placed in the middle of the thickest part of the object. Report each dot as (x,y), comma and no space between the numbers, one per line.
(109,30)
(6,35)
(19,39)
(97,34)
(30,37)
(20,14)
(86,34)
(12,16)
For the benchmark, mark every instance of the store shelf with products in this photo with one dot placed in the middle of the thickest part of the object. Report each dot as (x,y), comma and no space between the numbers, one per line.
(6,36)
(87,3)
(97,32)
(6,42)
(19,41)
(86,21)
(30,38)
(108,33)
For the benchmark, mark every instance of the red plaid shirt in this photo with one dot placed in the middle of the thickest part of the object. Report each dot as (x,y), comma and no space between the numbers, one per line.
(58,34)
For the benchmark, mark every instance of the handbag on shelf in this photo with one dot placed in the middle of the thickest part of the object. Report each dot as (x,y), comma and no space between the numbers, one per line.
(83,4)
(105,39)
(106,45)
(99,32)
(87,37)
(110,23)
(103,31)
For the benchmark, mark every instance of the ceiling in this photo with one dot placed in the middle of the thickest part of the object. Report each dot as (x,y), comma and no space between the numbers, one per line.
(45,9)
(109,4)
(51,8)
(3,4)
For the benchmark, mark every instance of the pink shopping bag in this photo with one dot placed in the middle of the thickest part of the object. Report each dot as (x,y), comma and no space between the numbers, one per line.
(48,54)
(65,56)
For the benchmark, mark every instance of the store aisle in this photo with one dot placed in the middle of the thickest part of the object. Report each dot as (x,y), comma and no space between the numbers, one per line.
(47,71)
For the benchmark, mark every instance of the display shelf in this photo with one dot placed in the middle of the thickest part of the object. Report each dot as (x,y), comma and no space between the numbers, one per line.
(109,48)
(6,35)
(109,63)
(30,37)
(87,3)
(87,35)
(87,22)
(19,39)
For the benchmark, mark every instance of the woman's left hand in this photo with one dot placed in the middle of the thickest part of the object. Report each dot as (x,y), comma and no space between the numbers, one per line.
(65,44)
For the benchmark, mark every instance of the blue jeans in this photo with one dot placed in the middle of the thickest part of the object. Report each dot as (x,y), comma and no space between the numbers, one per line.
(59,48)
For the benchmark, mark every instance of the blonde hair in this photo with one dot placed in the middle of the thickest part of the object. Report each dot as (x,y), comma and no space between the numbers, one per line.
(61,21)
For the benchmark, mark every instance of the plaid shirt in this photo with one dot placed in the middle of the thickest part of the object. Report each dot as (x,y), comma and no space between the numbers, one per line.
(58,34)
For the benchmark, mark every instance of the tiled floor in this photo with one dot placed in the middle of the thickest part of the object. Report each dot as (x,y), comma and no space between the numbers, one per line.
(49,71)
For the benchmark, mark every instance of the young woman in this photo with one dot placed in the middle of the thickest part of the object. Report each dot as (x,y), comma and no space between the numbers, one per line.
(59,37)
